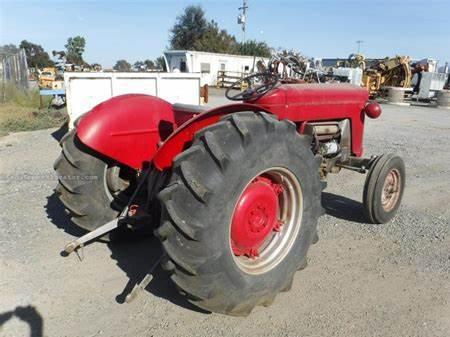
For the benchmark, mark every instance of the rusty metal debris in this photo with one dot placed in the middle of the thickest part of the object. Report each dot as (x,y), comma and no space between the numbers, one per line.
(291,67)
(353,61)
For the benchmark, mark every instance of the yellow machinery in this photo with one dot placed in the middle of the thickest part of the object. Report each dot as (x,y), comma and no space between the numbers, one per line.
(49,79)
(390,72)
(353,61)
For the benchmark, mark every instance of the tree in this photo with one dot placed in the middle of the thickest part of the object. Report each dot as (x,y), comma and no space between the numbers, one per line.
(8,49)
(216,40)
(37,57)
(193,32)
(254,48)
(149,64)
(189,28)
(122,65)
(161,63)
(138,66)
(96,66)
(75,49)
(61,59)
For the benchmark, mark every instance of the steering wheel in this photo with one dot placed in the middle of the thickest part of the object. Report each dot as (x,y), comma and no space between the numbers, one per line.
(257,85)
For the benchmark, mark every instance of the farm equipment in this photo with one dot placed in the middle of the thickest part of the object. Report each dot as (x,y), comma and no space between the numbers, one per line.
(393,72)
(49,79)
(233,193)
(293,67)
(353,61)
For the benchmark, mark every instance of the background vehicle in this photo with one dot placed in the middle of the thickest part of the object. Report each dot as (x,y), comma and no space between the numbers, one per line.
(49,79)
(234,193)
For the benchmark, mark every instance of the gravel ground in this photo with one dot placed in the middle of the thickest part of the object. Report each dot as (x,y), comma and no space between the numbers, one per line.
(362,280)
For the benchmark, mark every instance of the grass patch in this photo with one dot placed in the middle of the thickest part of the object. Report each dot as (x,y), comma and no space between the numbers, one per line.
(19,111)
(15,118)
(10,94)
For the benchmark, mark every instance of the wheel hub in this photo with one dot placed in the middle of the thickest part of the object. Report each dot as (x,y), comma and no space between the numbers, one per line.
(255,217)
(391,190)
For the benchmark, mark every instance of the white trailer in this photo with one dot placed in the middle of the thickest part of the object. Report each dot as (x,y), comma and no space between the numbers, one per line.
(209,64)
(86,90)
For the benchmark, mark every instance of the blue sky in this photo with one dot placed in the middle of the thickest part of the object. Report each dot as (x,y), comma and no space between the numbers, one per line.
(138,29)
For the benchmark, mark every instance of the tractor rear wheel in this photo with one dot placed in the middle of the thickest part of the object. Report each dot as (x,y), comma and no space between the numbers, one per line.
(92,189)
(240,212)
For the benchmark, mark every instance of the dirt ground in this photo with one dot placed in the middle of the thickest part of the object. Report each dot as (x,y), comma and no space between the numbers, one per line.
(362,280)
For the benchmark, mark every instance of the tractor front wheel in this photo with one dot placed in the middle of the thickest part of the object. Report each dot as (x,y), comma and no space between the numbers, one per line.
(240,212)
(383,189)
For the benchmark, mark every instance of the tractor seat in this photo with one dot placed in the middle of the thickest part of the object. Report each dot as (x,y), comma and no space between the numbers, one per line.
(189,108)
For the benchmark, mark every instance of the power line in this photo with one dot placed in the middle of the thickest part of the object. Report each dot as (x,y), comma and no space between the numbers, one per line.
(242,18)
(359,42)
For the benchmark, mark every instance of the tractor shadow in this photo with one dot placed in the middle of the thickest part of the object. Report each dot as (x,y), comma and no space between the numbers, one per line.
(58,134)
(134,253)
(57,215)
(344,208)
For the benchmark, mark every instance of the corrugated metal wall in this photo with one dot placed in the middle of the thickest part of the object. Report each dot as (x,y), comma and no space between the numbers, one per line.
(14,69)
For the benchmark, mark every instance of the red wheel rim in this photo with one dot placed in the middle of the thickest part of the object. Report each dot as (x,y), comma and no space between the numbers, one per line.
(266,220)
(255,216)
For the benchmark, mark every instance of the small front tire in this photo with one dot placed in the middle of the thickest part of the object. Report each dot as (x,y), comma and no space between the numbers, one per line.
(383,189)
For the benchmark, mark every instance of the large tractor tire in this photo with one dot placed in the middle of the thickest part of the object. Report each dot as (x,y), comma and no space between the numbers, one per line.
(92,189)
(240,212)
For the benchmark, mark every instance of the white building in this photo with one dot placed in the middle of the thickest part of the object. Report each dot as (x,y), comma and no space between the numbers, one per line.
(209,64)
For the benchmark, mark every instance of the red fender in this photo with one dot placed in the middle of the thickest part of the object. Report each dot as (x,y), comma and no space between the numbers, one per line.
(127,128)
(130,128)
(177,142)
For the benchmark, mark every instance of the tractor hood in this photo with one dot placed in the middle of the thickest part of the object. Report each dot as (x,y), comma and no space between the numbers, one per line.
(321,102)
(291,98)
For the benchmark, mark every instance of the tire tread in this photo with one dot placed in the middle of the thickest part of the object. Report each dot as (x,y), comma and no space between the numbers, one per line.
(191,267)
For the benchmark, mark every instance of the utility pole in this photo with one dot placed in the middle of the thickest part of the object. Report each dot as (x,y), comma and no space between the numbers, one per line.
(242,18)
(359,42)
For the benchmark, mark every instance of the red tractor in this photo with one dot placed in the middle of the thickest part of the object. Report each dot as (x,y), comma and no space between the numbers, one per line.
(233,193)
